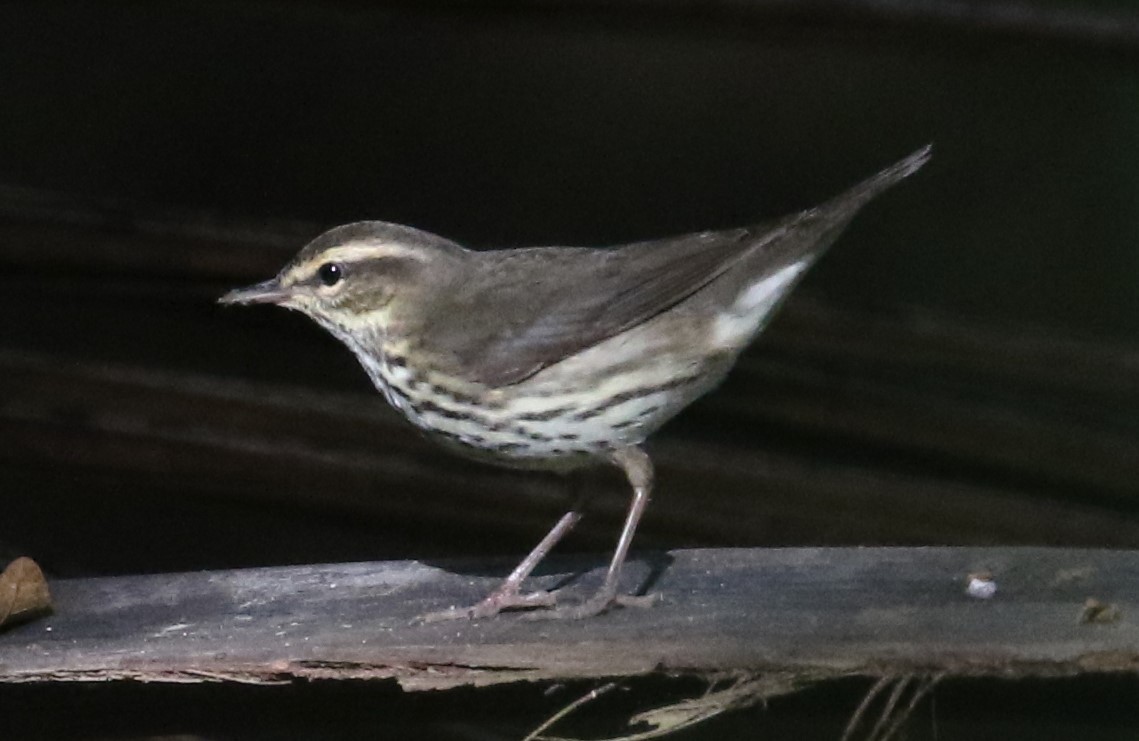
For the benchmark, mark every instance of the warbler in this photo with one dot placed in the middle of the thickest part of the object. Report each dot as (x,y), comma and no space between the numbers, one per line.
(555,357)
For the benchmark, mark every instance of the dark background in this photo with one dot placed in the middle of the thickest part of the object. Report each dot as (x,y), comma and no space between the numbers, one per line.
(132,135)
(524,126)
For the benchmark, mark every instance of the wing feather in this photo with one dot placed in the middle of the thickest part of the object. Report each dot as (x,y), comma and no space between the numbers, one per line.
(555,302)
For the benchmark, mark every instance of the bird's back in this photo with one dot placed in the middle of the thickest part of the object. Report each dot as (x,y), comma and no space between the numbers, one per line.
(554,354)
(516,312)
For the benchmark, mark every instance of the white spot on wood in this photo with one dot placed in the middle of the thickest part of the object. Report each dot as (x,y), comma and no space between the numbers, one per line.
(981,587)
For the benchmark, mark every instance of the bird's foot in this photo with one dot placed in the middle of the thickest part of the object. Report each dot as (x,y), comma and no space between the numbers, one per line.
(500,600)
(603,601)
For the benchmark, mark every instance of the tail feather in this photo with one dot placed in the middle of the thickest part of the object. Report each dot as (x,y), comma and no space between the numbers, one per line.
(809,233)
(753,291)
(861,194)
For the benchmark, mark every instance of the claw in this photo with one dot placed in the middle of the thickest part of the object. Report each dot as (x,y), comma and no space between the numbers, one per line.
(493,604)
(595,605)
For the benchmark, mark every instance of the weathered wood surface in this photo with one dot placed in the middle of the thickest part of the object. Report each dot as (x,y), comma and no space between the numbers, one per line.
(819,612)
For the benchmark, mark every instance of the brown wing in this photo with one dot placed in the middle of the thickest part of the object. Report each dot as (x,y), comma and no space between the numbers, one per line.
(552,303)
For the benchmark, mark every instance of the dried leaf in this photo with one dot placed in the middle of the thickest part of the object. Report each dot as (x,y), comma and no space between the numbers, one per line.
(23,592)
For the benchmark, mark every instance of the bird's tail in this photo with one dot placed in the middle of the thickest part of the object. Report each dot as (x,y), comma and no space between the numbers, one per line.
(872,186)
(753,291)
(805,236)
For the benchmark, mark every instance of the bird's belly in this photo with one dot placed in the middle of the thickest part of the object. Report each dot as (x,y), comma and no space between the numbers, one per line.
(611,396)
(565,438)
(537,428)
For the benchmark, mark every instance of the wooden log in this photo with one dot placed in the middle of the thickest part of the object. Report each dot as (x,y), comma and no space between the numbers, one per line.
(814,612)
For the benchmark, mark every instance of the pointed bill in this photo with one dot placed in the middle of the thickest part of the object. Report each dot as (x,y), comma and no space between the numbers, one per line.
(267,292)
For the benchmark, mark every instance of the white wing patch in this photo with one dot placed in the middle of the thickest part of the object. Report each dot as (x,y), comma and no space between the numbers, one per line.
(740,322)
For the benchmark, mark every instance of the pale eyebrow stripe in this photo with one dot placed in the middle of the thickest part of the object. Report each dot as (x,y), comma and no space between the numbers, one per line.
(351,253)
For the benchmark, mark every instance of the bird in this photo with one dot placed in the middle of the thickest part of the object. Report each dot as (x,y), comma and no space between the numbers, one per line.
(555,358)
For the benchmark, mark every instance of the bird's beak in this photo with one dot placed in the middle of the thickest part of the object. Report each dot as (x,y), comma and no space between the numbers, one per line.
(268,292)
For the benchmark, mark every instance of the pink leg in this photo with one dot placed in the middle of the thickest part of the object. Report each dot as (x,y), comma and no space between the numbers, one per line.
(508,595)
(639,470)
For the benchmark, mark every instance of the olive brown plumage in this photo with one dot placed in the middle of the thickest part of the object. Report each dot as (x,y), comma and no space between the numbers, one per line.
(555,357)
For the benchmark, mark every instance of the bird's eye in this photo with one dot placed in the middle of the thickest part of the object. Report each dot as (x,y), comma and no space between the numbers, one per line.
(331,273)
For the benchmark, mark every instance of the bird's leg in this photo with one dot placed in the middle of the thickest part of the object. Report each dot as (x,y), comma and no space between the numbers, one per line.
(639,470)
(508,595)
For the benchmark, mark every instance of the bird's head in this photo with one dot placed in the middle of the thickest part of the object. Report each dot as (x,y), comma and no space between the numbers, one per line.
(359,277)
